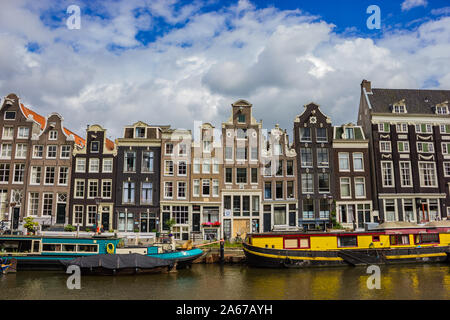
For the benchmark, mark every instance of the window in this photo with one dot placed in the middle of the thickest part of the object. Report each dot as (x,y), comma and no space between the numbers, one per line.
(426,238)
(182,149)
(398,109)
(147,193)
(442,110)
(405,174)
(47,204)
(19,172)
(344,162)
(229,153)
(445,148)
(308,209)
(427,172)
(447,169)
(399,240)
(279,190)
(196,166)
(246,206)
(350,133)
(305,134)
(130,161)
(95,146)
(92,189)
(408,210)
(387,174)
(424,128)
(306,157)
(168,189)
(322,157)
(389,210)
(358,162)
(241,153)
(182,168)
(268,169)
(80,165)
(425,147)
(241,134)
(402,127)
(241,118)
(324,209)
(106,189)
(444,128)
(384,127)
(8,133)
(207,146)
(347,241)
(307,183)
(10,115)
(53,135)
(21,151)
(128,192)
(181,190)
(168,167)
(403,146)
(215,166)
(241,175)
(4,172)
(180,214)
(79,188)
(91,215)
(38,151)
(279,172)
(23,133)
(65,152)
(228,175)
(254,153)
(169,149)
(267,190)
(324,183)
(6,151)
(94,165)
(206,166)
(345,188)
(51,152)
(254,175)
(215,188)
(255,206)
(196,190)
(139,132)
(279,215)
(290,189)
(322,135)
(385,146)
(289,167)
(107,165)
(78,214)
(63,176)
(360,188)
(33,205)
(206,187)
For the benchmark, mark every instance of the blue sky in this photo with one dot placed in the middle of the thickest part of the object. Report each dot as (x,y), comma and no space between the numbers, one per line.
(176,62)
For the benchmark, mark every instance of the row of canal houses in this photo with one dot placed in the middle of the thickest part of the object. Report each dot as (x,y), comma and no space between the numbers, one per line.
(394,165)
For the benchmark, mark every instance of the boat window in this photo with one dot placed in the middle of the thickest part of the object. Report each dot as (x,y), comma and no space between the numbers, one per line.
(87,248)
(304,243)
(68,247)
(51,247)
(291,243)
(398,240)
(347,241)
(36,246)
(15,246)
(427,238)
(375,238)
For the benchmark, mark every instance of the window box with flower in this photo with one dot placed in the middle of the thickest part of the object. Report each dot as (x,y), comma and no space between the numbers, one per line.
(211,224)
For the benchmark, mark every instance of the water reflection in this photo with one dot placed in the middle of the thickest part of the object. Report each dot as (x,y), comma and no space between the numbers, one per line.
(239,282)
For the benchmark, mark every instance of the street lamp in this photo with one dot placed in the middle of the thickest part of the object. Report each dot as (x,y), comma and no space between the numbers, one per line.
(97,216)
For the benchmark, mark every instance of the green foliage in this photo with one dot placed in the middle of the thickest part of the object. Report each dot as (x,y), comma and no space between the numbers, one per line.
(30,224)
(334,223)
(170,223)
(88,230)
(70,228)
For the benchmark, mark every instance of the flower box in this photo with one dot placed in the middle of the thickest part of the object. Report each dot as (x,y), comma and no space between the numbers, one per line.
(211,224)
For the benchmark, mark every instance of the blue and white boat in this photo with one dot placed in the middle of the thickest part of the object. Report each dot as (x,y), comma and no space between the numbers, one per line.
(46,252)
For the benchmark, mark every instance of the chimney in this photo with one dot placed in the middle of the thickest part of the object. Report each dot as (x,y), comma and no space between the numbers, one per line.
(367,85)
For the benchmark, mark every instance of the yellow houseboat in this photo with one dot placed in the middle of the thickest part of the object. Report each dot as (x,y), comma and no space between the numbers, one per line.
(388,243)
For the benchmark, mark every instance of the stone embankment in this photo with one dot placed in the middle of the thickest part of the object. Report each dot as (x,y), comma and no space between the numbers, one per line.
(231,256)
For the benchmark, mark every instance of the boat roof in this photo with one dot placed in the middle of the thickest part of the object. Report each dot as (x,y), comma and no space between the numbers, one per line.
(58,237)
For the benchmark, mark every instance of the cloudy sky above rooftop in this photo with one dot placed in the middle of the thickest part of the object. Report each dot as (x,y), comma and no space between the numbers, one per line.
(170,62)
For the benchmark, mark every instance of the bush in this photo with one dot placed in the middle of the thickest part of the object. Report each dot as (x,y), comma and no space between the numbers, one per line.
(30,224)
(70,228)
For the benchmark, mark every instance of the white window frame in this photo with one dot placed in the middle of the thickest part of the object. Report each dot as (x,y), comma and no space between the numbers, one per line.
(35,148)
(364,186)
(385,146)
(92,161)
(196,183)
(77,165)
(9,136)
(406,146)
(383,175)
(401,174)
(421,176)
(357,155)
(67,176)
(105,166)
(76,183)
(61,155)
(166,183)
(349,187)
(48,151)
(23,148)
(178,189)
(53,135)
(400,127)
(347,156)
(21,136)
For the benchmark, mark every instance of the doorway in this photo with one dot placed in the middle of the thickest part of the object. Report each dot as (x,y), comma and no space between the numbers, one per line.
(105,220)
(196,222)
(16,216)
(60,213)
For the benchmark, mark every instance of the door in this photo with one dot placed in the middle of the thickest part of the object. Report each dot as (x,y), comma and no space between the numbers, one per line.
(292,222)
(241,227)
(196,222)
(361,219)
(105,221)
(267,222)
(144,225)
(16,215)
(61,213)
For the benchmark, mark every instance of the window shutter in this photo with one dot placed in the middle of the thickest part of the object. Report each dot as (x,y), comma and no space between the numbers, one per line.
(386,127)
(447,128)
(400,147)
(423,128)
(425,147)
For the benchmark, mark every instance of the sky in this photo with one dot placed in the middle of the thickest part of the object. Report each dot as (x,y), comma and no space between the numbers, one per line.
(176,62)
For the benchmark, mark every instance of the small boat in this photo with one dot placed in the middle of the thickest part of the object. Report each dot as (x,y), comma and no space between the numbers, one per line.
(389,243)
(8,266)
(120,264)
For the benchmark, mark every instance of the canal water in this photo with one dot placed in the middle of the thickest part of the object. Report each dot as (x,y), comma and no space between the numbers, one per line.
(207,282)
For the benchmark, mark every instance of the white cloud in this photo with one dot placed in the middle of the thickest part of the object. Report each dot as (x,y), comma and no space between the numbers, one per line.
(277,60)
(409,4)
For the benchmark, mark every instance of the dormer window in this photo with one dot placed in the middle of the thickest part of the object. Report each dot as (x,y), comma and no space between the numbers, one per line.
(442,110)
(95,146)
(10,115)
(399,109)
(139,132)
(349,133)
(241,118)
(53,135)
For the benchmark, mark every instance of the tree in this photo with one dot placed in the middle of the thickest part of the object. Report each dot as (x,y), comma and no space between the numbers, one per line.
(30,224)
